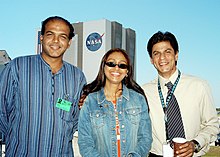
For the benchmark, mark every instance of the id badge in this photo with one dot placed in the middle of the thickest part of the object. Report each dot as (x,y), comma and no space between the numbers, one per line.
(167,150)
(63,104)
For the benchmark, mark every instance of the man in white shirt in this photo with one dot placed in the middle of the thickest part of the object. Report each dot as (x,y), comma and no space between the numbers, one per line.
(193,95)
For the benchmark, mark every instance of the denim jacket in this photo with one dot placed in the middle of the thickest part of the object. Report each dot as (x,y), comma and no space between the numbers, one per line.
(96,126)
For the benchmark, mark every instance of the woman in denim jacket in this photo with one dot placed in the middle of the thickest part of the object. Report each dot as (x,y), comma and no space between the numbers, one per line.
(114,119)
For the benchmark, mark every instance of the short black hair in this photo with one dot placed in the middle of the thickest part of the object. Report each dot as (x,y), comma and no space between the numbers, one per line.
(71,34)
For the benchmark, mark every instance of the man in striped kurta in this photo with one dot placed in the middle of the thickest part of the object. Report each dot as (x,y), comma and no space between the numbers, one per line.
(39,97)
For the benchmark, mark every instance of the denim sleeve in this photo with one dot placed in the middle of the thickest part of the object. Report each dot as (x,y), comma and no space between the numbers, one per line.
(85,138)
(144,136)
(8,87)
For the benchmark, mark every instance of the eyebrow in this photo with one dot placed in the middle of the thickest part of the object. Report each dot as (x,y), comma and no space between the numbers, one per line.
(113,60)
(164,50)
(169,49)
(54,33)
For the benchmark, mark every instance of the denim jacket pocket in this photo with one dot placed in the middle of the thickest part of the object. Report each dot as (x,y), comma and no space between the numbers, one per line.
(97,118)
(133,114)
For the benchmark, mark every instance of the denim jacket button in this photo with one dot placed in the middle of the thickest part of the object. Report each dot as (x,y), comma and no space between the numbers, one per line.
(122,126)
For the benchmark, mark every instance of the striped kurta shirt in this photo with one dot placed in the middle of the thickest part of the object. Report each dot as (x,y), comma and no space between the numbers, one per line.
(32,124)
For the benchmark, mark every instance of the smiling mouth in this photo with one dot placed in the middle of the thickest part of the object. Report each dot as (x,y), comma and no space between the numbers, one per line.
(115,74)
(54,47)
(163,63)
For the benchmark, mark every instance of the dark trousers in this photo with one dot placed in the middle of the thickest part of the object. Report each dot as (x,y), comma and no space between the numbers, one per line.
(154,155)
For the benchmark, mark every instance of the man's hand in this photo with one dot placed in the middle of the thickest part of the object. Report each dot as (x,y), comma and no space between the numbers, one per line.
(185,150)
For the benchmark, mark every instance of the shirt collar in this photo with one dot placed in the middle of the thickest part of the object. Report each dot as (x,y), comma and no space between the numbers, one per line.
(172,79)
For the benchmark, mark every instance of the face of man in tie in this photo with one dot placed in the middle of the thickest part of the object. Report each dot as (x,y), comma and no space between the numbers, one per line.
(164,58)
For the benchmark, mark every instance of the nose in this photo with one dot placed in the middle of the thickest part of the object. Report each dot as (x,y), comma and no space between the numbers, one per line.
(117,67)
(55,38)
(162,55)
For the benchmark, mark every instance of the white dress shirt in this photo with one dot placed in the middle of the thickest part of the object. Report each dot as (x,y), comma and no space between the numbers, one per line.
(196,106)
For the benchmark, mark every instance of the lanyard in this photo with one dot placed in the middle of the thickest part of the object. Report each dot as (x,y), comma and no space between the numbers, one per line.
(167,100)
(168,96)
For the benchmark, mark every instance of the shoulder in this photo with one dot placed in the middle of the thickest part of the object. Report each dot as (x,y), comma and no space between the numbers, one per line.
(150,87)
(134,96)
(72,67)
(74,72)
(133,93)
(193,80)
(152,83)
(136,99)
(26,57)
(92,97)
(91,100)
(16,65)
(22,59)
(194,83)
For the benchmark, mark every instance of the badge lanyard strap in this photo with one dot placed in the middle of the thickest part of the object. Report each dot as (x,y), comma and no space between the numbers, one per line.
(168,98)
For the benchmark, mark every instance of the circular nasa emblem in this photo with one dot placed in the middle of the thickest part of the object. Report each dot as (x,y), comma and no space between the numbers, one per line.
(94,41)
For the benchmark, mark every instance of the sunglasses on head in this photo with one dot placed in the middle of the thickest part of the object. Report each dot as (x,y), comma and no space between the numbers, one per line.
(112,64)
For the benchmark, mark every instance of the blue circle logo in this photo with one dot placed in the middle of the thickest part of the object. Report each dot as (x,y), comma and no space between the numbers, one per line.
(94,41)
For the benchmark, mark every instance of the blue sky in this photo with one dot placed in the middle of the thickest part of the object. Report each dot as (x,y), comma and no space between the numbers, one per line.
(195,23)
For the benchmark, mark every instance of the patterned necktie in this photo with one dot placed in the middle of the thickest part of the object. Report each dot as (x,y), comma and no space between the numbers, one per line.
(174,120)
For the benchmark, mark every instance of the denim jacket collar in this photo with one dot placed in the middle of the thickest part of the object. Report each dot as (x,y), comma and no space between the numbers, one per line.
(101,96)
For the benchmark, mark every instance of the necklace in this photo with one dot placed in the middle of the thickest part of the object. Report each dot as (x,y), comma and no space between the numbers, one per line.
(114,96)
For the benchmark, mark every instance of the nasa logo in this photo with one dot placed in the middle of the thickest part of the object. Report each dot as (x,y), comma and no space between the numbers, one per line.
(94,41)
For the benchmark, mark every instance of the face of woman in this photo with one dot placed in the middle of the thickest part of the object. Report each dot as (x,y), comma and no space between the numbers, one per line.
(115,68)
